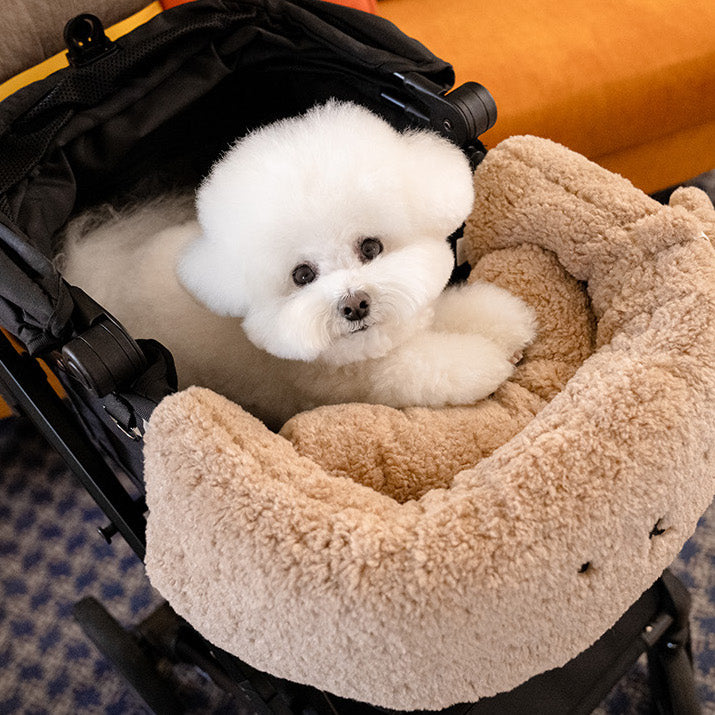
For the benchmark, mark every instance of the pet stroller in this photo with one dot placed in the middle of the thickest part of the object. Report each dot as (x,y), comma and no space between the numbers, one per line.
(99,128)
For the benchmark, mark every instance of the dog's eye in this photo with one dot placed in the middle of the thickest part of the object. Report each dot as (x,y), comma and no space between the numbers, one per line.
(370,248)
(304,274)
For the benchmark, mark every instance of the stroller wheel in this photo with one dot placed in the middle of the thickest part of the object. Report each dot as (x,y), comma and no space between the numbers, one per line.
(122,649)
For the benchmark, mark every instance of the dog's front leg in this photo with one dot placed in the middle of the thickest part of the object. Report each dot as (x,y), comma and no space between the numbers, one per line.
(488,310)
(435,369)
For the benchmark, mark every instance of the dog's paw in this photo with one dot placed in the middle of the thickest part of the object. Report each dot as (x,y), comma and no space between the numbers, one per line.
(437,369)
(490,311)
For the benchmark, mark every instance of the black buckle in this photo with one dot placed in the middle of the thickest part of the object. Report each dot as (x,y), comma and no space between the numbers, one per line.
(462,115)
(86,40)
(103,358)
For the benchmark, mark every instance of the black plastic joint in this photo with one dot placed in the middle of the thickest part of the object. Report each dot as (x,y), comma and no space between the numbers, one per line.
(86,40)
(461,115)
(103,357)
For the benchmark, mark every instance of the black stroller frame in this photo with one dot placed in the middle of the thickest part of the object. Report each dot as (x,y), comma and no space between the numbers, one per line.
(113,381)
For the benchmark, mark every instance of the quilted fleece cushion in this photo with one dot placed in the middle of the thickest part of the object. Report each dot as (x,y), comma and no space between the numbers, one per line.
(415,559)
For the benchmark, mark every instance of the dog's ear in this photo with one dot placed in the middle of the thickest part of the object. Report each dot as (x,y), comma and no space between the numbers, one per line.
(211,279)
(441,182)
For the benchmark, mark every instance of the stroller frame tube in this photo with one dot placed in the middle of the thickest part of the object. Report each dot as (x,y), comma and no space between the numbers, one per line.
(25,384)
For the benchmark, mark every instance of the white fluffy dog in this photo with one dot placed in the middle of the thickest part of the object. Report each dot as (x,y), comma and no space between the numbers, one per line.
(314,272)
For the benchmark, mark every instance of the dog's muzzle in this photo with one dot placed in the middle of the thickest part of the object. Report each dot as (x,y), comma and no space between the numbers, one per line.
(355,306)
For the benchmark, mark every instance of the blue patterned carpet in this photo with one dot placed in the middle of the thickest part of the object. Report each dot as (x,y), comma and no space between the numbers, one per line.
(51,556)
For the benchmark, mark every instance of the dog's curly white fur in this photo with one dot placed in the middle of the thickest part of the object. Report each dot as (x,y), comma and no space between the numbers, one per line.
(314,271)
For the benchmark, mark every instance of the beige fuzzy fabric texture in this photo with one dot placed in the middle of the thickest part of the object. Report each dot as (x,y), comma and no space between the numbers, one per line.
(418,558)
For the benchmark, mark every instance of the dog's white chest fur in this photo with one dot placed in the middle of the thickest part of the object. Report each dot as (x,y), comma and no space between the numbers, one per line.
(314,274)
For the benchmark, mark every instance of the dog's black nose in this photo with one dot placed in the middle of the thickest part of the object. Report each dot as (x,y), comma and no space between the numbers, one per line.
(355,306)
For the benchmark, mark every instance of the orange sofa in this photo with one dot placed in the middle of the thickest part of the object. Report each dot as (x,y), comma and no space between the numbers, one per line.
(630,84)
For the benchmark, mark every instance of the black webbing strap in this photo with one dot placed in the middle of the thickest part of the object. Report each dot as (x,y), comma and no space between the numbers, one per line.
(130,410)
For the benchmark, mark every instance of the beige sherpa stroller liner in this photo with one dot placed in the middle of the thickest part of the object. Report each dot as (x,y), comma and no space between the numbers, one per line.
(417,558)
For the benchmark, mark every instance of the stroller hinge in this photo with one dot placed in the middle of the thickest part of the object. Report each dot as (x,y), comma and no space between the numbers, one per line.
(462,115)
(103,357)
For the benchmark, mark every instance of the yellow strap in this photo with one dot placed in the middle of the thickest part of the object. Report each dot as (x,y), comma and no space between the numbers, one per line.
(58,61)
